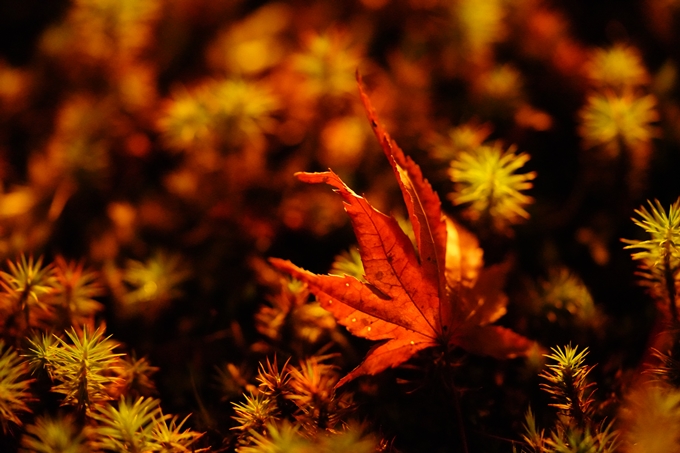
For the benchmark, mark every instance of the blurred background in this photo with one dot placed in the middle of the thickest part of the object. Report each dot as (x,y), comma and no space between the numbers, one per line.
(156,140)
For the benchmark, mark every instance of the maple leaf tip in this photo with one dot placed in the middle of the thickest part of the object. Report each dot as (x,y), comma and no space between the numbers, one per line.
(277,262)
(303,174)
(315,177)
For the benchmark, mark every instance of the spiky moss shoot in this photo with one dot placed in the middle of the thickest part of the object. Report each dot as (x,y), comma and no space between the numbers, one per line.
(575,432)
(254,413)
(568,386)
(140,427)
(75,290)
(169,437)
(84,370)
(25,300)
(612,121)
(14,387)
(576,440)
(273,382)
(313,392)
(659,256)
(270,402)
(486,178)
(127,427)
(42,350)
(534,437)
(290,317)
(668,369)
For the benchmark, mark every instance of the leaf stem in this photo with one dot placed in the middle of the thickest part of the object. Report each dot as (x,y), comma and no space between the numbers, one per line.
(459,416)
(448,384)
(670,287)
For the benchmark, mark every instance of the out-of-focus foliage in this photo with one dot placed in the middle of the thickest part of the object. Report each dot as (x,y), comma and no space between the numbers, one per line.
(349,263)
(619,68)
(563,299)
(287,437)
(136,373)
(464,138)
(218,115)
(613,121)
(651,415)
(150,286)
(54,435)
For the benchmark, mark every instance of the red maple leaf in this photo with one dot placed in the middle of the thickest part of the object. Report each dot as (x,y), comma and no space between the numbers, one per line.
(434,295)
